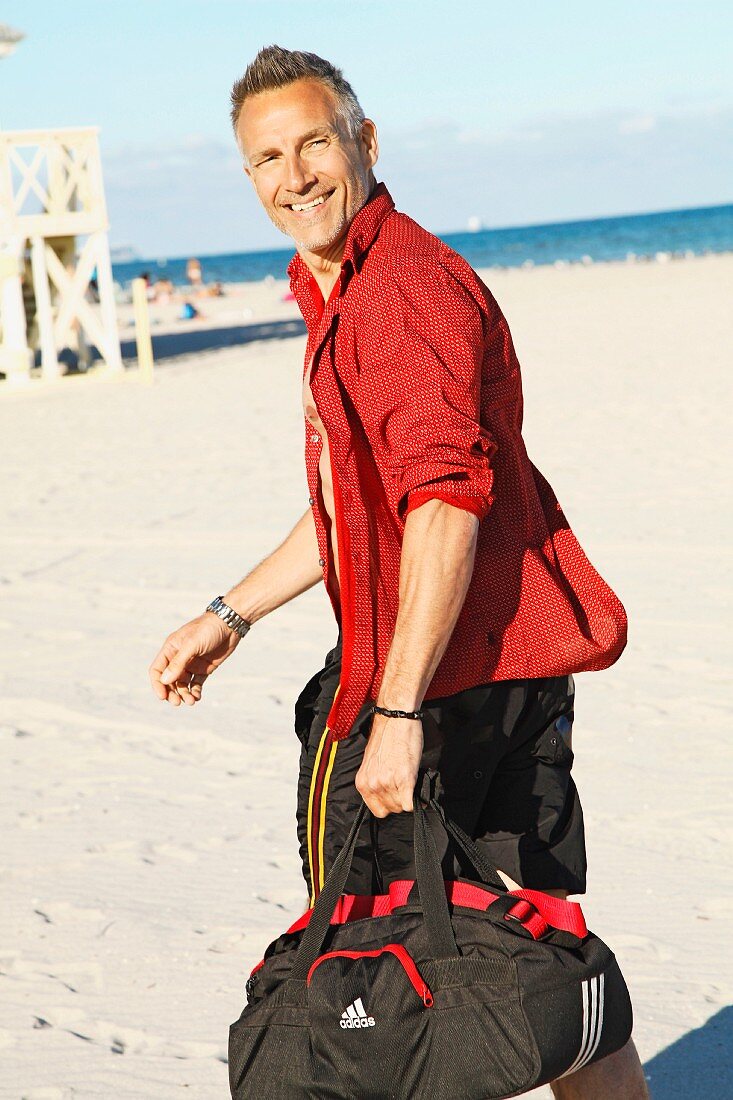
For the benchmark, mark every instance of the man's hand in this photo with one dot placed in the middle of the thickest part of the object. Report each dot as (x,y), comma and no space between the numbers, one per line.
(388,773)
(188,656)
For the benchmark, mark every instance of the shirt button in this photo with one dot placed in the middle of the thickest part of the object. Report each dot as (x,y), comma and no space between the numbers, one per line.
(315,438)
(321,562)
(311,500)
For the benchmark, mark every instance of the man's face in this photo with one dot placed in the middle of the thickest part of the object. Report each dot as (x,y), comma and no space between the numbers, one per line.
(311,177)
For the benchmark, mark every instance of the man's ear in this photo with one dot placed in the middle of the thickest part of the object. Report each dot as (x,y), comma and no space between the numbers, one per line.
(369,143)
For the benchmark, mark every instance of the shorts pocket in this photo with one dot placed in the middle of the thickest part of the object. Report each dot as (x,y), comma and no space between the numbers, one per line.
(553,746)
(305,706)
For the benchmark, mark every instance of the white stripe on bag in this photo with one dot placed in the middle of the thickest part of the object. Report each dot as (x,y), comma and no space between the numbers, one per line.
(589,1004)
(599,1024)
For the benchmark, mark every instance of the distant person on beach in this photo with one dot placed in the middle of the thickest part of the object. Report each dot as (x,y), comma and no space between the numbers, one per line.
(189,312)
(463,600)
(163,291)
(194,273)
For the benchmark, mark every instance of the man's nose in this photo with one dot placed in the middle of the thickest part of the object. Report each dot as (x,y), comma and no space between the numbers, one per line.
(299,176)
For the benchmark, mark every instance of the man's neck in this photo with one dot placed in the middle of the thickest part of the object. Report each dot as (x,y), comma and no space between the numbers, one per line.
(325,265)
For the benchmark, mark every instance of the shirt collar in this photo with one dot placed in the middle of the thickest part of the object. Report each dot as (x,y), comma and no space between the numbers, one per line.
(361,235)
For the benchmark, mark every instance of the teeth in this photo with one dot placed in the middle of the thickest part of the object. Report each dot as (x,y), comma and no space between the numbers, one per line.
(309,205)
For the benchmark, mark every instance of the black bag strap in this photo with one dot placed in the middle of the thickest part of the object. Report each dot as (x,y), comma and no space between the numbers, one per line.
(333,888)
(429,882)
(486,869)
(431,887)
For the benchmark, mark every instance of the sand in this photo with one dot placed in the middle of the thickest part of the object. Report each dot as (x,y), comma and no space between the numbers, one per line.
(149,854)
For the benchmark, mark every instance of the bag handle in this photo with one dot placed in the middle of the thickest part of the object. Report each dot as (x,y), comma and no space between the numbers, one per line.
(333,887)
(431,886)
(429,881)
(481,863)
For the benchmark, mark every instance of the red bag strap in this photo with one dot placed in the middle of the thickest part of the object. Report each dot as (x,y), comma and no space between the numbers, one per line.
(565,916)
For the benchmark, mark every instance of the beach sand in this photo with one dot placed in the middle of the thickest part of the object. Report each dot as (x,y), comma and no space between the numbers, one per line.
(149,853)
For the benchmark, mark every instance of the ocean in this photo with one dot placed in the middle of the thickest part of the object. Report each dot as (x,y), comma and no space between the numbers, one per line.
(635,237)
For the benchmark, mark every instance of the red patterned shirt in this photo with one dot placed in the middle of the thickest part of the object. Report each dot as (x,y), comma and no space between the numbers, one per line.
(418,387)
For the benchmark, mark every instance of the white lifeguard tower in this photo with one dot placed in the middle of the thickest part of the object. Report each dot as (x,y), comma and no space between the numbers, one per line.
(51,194)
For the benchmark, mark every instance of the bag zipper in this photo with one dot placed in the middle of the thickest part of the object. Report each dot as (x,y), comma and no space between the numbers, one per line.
(402,956)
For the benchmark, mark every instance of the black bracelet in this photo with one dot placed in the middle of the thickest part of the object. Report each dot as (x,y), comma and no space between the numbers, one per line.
(397,713)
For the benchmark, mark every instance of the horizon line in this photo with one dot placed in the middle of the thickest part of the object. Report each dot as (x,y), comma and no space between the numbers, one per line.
(443,233)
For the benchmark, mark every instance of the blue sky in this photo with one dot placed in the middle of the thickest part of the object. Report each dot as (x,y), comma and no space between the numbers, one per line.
(533,112)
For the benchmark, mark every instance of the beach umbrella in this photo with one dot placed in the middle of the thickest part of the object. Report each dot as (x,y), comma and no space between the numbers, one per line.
(9,39)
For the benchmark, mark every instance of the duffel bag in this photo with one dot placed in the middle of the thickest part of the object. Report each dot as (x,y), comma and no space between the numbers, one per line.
(460,990)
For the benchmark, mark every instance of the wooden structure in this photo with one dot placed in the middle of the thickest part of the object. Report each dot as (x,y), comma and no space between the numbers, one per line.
(51,193)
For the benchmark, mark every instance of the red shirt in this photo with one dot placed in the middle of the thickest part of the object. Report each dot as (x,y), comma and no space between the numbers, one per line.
(418,387)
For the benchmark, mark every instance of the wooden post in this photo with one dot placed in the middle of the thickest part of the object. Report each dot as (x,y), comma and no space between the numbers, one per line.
(51,190)
(142,330)
(44,310)
(16,358)
(107,307)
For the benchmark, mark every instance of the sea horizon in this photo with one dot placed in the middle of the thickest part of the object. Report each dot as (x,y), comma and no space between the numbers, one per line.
(661,234)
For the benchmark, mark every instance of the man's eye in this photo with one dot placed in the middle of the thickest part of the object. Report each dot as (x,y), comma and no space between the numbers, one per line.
(319,141)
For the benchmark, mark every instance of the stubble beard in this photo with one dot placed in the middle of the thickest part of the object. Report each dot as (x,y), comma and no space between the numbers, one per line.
(358,197)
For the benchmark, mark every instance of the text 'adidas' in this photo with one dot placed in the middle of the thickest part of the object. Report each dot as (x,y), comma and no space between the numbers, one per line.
(355,1016)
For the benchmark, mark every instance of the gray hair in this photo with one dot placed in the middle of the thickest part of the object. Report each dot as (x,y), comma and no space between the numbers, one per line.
(276,67)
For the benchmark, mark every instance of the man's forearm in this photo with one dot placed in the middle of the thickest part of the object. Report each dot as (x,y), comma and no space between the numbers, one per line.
(438,551)
(284,574)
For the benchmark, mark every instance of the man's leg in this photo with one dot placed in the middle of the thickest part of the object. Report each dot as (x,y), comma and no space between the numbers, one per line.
(328,800)
(538,778)
(619,1076)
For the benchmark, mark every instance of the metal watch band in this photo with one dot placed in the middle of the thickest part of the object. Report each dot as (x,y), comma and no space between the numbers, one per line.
(229,616)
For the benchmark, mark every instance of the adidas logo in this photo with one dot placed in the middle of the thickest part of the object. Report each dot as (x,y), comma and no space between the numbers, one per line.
(355,1016)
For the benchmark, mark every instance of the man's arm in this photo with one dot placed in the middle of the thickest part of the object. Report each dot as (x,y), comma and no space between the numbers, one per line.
(438,551)
(287,572)
(199,647)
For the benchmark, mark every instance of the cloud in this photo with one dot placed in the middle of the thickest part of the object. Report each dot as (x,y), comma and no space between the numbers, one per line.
(192,196)
(637,124)
(188,196)
(560,167)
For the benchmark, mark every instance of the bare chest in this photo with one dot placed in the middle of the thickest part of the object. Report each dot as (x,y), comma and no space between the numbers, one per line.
(309,405)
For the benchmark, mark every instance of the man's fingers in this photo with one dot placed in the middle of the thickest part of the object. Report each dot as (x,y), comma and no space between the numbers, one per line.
(192,688)
(155,672)
(176,669)
(160,689)
(187,689)
(384,798)
(179,669)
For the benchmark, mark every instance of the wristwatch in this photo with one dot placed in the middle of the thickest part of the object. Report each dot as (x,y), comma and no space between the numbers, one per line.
(229,616)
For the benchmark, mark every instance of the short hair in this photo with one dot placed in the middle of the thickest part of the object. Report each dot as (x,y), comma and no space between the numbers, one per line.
(276,67)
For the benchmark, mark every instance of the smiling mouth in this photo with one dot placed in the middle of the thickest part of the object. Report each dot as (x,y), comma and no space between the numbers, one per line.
(312,204)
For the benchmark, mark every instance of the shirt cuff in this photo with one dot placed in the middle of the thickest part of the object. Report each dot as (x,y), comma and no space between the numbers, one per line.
(479,507)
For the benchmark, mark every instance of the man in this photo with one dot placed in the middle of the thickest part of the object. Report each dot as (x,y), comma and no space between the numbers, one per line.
(463,600)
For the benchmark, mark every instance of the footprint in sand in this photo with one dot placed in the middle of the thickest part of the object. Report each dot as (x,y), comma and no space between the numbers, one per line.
(48,1093)
(122,1040)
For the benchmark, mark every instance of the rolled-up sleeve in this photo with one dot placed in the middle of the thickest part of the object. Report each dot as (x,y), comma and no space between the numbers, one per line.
(425,393)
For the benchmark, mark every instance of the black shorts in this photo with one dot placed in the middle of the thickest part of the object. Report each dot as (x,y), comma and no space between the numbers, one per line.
(504,757)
